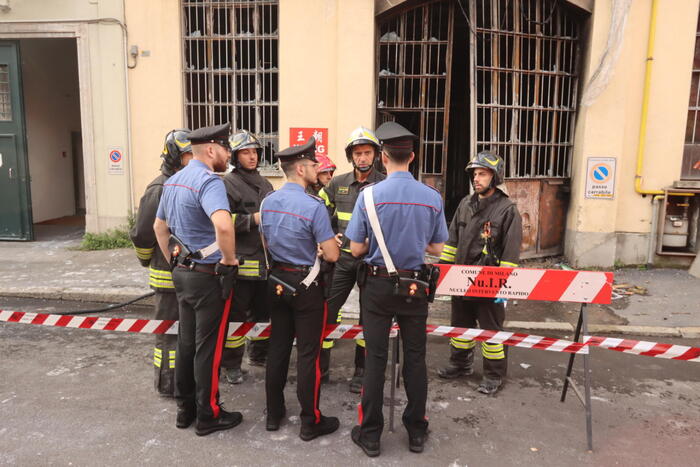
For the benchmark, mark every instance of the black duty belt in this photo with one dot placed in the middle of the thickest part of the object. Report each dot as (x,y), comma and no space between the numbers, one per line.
(199,267)
(381,271)
(289,267)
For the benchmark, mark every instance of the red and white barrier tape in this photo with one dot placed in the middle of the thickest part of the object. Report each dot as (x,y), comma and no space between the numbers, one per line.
(353,331)
(649,349)
(333,331)
(525,284)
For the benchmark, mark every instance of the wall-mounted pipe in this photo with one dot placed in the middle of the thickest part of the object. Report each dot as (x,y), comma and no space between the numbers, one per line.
(645,109)
(653,234)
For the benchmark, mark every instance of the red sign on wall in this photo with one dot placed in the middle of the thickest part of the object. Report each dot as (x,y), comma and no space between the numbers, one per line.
(299,136)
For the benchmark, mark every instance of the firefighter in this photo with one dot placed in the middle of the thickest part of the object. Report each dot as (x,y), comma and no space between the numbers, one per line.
(326,168)
(195,210)
(362,150)
(177,152)
(296,228)
(246,188)
(394,282)
(485,230)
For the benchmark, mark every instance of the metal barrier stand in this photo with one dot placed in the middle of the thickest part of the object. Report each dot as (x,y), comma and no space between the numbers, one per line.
(395,379)
(585,399)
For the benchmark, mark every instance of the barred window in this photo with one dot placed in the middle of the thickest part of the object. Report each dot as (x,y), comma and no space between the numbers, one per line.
(413,80)
(230,60)
(526,74)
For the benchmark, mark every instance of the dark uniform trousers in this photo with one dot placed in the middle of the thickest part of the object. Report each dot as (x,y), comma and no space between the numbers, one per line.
(201,333)
(344,279)
(301,316)
(166,308)
(249,304)
(483,313)
(380,305)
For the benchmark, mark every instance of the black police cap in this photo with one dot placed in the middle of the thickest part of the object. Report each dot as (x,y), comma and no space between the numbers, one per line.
(305,151)
(395,136)
(211,134)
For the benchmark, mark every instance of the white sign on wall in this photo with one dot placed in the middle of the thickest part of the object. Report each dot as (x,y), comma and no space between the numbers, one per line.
(115,161)
(600,178)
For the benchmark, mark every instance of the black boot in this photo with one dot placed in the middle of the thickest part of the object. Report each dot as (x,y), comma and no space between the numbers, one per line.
(325,362)
(186,415)
(225,421)
(461,364)
(326,426)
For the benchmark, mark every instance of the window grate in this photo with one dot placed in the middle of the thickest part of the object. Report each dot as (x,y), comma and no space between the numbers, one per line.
(526,80)
(414,60)
(231,69)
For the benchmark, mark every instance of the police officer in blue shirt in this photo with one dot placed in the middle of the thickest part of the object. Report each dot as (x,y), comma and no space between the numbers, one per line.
(294,225)
(412,219)
(195,209)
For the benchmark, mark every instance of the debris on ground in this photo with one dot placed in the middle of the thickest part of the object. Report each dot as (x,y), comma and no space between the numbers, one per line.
(629,289)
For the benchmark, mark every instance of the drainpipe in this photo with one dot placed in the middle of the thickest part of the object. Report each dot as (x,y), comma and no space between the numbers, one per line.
(653,234)
(645,109)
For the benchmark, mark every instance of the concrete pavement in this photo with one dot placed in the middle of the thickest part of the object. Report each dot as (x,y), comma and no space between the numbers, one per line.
(53,268)
(81,397)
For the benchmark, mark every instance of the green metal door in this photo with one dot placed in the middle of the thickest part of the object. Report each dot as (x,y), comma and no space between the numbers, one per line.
(15,212)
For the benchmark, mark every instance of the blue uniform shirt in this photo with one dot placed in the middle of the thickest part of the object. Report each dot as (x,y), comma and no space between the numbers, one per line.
(189,199)
(293,222)
(411,216)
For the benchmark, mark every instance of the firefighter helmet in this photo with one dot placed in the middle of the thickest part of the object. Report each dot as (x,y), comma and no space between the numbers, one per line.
(488,160)
(244,140)
(361,135)
(325,164)
(177,143)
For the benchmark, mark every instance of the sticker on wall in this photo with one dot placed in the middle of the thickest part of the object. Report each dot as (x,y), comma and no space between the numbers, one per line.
(115,163)
(600,178)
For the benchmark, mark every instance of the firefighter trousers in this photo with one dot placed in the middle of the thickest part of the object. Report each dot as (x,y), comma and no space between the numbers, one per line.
(249,303)
(482,312)
(166,308)
(344,279)
(200,340)
(380,305)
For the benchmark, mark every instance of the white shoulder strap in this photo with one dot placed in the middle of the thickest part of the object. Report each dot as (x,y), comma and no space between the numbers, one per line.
(313,272)
(262,237)
(377,229)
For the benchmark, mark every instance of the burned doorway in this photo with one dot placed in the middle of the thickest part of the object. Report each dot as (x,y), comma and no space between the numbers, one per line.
(505,74)
(413,81)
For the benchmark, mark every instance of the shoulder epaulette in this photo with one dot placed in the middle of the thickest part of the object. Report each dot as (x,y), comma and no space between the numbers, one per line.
(317,198)
(369,184)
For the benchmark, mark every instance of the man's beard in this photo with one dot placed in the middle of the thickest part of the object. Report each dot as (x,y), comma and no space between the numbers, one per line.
(220,166)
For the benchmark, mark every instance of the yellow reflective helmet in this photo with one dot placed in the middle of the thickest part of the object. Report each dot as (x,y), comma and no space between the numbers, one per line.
(177,143)
(488,160)
(361,135)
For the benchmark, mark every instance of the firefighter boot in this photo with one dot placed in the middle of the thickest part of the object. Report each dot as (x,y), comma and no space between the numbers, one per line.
(461,364)
(325,363)
(234,375)
(356,381)
(257,352)
(490,386)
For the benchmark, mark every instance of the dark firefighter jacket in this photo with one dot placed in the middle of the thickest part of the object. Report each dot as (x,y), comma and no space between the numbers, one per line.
(466,244)
(340,196)
(144,238)
(245,191)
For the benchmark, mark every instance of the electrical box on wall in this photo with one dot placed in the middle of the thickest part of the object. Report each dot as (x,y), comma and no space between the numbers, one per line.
(678,227)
